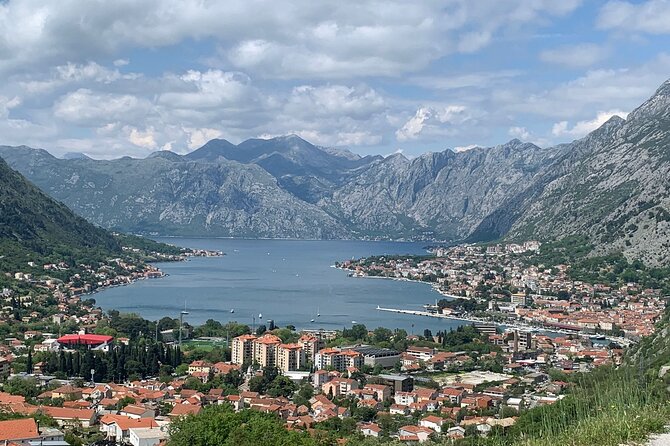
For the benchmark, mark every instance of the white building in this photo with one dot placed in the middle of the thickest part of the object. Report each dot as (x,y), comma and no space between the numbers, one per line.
(147,436)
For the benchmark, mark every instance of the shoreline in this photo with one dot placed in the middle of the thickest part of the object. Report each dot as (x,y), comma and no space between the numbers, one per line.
(152,269)
(433,285)
(516,325)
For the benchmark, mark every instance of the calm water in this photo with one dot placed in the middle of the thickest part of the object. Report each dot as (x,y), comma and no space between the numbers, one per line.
(287,281)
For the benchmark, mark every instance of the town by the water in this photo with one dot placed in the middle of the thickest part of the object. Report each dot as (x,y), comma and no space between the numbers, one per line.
(74,374)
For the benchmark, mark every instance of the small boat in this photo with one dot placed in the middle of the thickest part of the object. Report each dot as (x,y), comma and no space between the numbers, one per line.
(232,310)
(353,322)
(260,315)
(317,312)
(312,320)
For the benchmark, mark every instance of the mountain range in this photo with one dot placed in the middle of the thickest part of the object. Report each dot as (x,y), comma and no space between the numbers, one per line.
(610,186)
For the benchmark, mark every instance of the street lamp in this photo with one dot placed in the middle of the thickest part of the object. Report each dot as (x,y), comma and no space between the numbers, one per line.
(181,323)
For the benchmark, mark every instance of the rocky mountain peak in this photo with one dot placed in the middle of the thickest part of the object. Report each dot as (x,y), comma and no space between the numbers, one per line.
(657,106)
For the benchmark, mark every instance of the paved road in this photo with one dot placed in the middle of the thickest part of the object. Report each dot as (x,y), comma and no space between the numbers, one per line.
(659,440)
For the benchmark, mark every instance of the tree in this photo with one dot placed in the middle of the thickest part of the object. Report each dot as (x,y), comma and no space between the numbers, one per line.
(73,440)
(281,386)
(29,362)
(26,387)
(219,425)
(382,334)
(123,402)
(304,394)
(181,370)
(356,332)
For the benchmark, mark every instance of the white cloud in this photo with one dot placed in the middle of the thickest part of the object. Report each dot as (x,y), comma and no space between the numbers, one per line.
(305,67)
(520,132)
(474,41)
(6,104)
(652,16)
(305,38)
(198,137)
(145,139)
(72,73)
(335,100)
(480,80)
(602,89)
(526,135)
(460,149)
(582,128)
(576,56)
(90,109)
(211,89)
(429,121)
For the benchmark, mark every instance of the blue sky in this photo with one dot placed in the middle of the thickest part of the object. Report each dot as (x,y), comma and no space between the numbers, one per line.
(130,77)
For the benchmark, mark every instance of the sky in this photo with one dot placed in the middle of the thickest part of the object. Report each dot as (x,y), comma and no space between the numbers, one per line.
(127,77)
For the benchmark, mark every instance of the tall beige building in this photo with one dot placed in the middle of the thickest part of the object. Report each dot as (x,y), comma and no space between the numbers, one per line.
(265,350)
(268,351)
(311,344)
(337,359)
(290,357)
(242,349)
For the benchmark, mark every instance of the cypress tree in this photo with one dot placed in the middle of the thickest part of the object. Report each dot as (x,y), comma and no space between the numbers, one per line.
(29,362)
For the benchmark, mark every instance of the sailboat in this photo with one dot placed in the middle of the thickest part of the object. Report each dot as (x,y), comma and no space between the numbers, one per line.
(317,312)
(260,315)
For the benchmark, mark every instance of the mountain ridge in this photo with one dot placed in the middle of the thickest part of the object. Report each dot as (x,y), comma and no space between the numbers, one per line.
(33,225)
(608,185)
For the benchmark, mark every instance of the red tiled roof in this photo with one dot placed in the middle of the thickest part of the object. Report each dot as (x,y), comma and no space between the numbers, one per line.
(126,423)
(185,409)
(6,398)
(68,413)
(23,429)
(134,410)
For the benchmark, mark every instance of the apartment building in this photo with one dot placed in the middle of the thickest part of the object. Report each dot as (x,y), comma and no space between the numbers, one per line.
(265,350)
(242,349)
(290,357)
(268,351)
(337,359)
(311,344)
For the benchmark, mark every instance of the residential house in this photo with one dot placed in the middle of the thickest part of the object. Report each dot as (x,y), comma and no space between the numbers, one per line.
(19,432)
(433,422)
(66,416)
(414,433)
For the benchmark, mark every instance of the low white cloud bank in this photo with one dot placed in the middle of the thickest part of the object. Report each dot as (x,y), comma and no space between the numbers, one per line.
(583,128)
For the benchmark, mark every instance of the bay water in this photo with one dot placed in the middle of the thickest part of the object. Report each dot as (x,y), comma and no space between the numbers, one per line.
(291,282)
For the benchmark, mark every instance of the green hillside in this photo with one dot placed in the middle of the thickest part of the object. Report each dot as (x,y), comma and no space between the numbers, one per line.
(33,226)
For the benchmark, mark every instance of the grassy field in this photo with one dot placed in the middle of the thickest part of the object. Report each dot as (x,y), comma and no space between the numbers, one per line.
(204,344)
